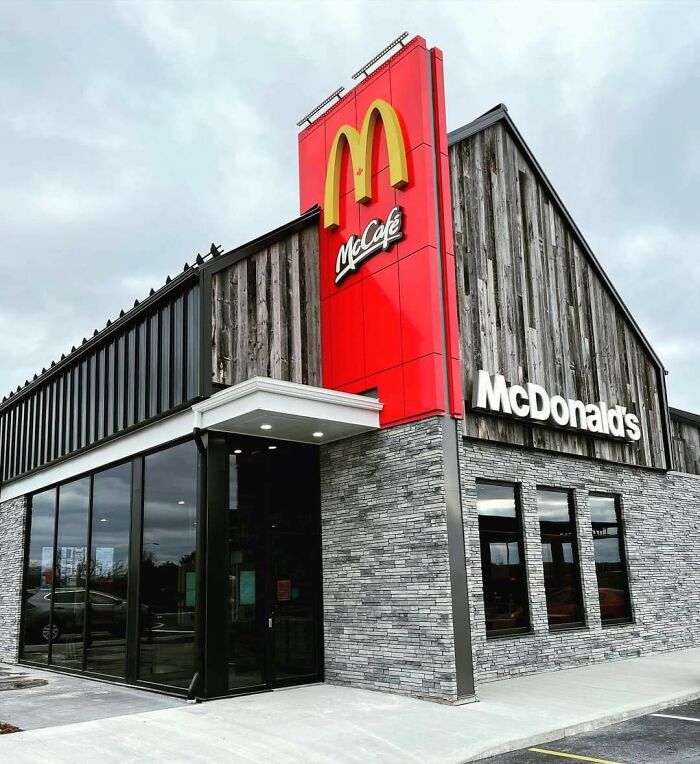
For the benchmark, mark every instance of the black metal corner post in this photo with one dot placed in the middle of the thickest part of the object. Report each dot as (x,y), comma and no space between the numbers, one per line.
(133,616)
(216,565)
(464,668)
(197,686)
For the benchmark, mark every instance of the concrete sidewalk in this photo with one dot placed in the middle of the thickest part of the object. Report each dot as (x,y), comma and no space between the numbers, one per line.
(321,723)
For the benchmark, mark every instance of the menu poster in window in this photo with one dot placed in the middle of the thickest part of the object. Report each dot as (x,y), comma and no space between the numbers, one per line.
(247,587)
(284,589)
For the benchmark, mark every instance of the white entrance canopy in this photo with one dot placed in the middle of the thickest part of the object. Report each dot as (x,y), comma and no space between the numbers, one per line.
(287,411)
(270,408)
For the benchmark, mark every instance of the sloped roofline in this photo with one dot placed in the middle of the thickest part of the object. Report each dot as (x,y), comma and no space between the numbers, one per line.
(500,113)
(209,263)
(686,417)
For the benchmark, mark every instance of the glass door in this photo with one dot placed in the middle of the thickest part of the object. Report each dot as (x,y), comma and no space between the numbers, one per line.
(246,606)
(273,607)
(295,580)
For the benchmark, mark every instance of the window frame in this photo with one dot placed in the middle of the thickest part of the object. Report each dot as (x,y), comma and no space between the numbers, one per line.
(576,549)
(517,487)
(134,460)
(622,545)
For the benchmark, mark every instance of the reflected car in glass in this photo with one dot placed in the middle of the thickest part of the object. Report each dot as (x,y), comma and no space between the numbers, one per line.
(107,613)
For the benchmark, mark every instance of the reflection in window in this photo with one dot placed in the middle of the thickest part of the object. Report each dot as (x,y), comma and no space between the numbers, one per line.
(109,564)
(502,565)
(167,580)
(610,566)
(70,570)
(562,579)
(38,578)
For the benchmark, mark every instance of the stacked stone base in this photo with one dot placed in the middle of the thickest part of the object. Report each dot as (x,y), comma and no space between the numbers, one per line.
(661,517)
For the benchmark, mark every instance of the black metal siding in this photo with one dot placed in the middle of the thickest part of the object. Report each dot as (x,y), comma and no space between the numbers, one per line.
(143,370)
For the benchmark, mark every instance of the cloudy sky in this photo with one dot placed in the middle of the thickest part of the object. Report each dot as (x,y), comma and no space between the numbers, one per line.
(134,134)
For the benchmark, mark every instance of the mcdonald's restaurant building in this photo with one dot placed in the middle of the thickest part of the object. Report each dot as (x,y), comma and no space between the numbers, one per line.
(410,441)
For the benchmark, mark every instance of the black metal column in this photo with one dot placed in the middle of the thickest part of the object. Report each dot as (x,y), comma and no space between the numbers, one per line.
(216,560)
(197,687)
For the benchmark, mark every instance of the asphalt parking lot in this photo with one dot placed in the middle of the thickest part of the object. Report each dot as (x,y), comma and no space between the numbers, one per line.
(670,736)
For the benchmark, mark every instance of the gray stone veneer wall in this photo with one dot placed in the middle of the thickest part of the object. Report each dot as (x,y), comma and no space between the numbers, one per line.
(12,529)
(386,585)
(661,517)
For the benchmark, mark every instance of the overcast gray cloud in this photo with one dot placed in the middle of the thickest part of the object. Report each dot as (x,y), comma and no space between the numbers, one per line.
(134,134)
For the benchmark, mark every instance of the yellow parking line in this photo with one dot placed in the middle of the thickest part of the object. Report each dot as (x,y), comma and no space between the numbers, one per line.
(573,756)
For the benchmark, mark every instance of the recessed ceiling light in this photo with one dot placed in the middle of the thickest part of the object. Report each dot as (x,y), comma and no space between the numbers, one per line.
(181,503)
(318,435)
(103,519)
(272,448)
(238,451)
(265,426)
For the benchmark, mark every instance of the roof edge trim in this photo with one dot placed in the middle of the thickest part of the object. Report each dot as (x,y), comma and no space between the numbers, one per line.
(226,259)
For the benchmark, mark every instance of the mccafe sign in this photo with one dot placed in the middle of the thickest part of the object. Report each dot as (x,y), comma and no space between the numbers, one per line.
(532,402)
(378,236)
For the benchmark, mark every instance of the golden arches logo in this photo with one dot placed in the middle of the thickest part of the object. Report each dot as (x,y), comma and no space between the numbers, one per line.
(360,145)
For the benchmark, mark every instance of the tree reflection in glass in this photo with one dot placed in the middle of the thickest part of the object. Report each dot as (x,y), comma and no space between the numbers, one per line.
(38,578)
(70,571)
(610,567)
(562,580)
(502,564)
(167,581)
(109,565)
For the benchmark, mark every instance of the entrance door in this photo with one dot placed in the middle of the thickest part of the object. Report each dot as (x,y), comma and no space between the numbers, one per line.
(274,612)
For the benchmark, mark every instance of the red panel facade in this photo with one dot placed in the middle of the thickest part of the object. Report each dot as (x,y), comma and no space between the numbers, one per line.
(389,322)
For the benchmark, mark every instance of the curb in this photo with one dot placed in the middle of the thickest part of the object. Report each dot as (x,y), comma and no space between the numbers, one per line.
(556,733)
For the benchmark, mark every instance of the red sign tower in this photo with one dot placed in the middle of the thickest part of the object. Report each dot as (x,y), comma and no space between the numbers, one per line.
(376,162)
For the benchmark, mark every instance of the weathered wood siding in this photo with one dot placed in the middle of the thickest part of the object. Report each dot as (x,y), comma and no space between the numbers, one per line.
(533,308)
(265,313)
(686,445)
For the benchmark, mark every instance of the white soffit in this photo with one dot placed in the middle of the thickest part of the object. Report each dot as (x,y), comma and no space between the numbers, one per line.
(295,412)
(292,411)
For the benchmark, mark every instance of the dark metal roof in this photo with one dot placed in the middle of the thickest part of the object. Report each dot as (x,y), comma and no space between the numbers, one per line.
(500,113)
(99,335)
(685,416)
(210,261)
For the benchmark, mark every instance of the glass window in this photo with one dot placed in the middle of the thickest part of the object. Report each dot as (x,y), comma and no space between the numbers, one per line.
(562,580)
(167,582)
(38,578)
(502,559)
(610,566)
(70,570)
(109,565)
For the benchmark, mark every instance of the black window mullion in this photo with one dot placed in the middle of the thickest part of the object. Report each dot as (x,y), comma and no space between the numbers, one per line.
(88,559)
(134,576)
(53,574)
